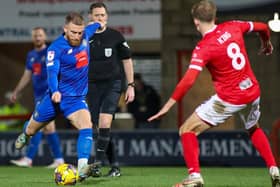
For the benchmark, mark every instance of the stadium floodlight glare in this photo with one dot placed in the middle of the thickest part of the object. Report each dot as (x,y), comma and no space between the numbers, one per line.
(274,24)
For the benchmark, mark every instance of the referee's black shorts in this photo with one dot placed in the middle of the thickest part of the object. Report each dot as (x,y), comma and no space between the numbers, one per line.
(103,97)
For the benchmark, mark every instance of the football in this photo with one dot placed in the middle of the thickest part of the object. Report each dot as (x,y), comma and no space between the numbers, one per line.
(65,174)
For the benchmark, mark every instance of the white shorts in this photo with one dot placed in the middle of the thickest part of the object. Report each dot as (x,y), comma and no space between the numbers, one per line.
(216,111)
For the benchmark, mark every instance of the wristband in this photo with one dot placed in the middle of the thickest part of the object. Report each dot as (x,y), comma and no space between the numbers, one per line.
(132,84)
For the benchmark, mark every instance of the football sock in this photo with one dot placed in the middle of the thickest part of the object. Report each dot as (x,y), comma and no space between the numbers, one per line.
(81,163)
(33,146)
(191,152)
(84,143)
(111,154)
(102,142)
(53,141)
(261,143)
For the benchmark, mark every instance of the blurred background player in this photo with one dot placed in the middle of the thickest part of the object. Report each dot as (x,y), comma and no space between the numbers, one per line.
(110,58)
(67,71)
(11,108)
(36,70)
(222,51)
(145,104)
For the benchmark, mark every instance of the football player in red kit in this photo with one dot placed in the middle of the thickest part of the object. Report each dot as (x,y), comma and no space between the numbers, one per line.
(222,51)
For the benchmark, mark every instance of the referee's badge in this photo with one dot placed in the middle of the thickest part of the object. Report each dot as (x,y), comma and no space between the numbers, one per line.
(108,52)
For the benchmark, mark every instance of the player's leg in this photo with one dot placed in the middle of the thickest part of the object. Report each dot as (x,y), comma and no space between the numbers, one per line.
(211,113)
(54,144)
(250,116)
(31,151)
(81,120)
(188,133)
(43,113)
(76,111)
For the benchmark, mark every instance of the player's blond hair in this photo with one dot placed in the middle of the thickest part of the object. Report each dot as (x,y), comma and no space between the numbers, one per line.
(204,11)
(75,18)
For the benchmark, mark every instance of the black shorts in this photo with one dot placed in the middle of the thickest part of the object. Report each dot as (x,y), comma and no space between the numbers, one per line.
(103,97)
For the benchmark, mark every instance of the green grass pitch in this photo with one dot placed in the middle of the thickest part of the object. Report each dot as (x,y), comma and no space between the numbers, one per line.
(140,177)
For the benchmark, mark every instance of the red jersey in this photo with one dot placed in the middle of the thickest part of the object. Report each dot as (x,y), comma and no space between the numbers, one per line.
(222,51)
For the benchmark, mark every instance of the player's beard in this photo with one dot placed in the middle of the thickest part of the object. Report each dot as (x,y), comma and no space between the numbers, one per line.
(38,44)
(73,42)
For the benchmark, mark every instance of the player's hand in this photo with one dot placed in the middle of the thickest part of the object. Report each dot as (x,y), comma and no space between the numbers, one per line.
(56,97)
(129,95)
(158,115)
(266,48)
(13,97)
(163,110)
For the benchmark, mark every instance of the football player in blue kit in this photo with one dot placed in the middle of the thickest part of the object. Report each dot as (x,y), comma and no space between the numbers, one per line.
(67,70)
(35,70)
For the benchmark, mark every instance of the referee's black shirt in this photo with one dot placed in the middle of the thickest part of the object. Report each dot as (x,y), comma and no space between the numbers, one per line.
(107,49)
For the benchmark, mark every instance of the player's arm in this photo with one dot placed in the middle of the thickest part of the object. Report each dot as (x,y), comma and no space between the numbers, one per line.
(53,65)
(91,28)
(181,89)
(263,30)
(24,80)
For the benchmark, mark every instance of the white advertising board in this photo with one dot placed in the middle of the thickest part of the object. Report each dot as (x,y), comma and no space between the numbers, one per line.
(136,19)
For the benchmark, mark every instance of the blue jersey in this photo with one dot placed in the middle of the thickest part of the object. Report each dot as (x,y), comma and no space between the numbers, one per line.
(36,63)
(67,66)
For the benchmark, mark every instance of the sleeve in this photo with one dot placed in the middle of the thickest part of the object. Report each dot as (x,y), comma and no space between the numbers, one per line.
(245,26)
(91,29)
(123,48)
(185,84)
(53,65)
(262,29)
(197,62)
(28,62)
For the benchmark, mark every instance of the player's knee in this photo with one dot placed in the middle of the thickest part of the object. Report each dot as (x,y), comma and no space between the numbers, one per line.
(186,129)
(49,129)
(85,125)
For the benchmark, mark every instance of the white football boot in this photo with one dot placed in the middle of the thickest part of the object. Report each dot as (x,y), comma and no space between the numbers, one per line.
(22,162)
(193,180)
(56,163)
(275,178)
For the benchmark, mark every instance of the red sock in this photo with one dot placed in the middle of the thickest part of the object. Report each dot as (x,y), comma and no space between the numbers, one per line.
(261,143)
(191,151)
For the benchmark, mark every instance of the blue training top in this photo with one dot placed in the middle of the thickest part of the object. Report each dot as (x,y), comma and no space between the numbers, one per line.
(67,66)
(35,62)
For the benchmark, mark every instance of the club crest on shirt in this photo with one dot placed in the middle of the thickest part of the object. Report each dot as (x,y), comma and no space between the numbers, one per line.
(108,52)
(50,56)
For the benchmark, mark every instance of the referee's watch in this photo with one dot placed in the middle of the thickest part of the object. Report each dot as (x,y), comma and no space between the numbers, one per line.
(132,84)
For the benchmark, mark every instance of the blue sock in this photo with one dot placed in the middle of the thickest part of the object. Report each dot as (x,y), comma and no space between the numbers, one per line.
(84,143)
(34,145)
(53,141)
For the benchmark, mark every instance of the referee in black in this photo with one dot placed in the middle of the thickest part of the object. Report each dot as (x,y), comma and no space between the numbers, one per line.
(110,59)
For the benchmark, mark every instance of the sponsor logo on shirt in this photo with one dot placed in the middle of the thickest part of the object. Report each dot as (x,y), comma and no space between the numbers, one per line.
(82,59)
(36,68)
